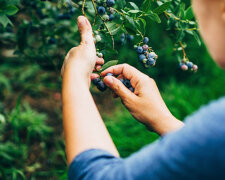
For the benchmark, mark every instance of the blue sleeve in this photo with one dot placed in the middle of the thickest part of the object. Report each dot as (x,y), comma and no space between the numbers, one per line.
(194,152)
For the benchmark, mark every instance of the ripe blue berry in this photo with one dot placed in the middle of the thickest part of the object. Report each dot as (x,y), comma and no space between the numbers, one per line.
(101,86)
(146,40)
(141,57)
(150,62)
(131,89)
(109,74)
(122,80)
(127,83)
(139,50)
(110,3)
(152,55)
(189,64)
(130,37)
(96,81)
(101,10)
(111,17)
(145,47)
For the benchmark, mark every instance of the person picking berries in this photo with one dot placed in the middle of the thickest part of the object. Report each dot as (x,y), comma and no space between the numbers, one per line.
(194,150)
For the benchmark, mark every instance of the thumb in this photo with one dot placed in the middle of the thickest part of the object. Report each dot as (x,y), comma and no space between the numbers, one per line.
(118,87)
(85,29)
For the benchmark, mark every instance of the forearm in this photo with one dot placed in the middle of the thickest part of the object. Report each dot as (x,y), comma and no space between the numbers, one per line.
(83,125)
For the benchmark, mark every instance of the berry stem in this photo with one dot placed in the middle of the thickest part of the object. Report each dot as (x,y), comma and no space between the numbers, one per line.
(182,46)
(83,4)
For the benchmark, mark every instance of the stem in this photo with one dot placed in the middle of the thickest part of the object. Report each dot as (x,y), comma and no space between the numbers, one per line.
(182,46)
(96,12)
(84,1)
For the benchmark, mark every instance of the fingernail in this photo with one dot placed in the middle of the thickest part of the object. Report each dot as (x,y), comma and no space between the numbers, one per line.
(81,20)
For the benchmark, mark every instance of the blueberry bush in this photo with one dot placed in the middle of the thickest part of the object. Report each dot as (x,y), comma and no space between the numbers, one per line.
(158,37)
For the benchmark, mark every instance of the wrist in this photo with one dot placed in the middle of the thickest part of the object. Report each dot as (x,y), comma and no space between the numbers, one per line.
(165,125)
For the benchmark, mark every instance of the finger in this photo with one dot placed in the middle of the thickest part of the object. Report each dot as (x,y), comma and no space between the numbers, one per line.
(99,61)
(85,29)
(126,70)
(118,87)
(94,76)
(98,67)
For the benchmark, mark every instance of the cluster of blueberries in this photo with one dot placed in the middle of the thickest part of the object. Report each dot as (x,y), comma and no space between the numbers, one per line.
(145,54)
(186,65)
(102,87)
(68,15)
(126,37)
(105,5)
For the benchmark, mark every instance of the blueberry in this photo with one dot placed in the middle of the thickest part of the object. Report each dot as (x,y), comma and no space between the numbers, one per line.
(110,3)
(111,17)
(146,40)
(152,55)
(52,40)
(127,83)
(189,64)
(101,10)
(96,81)
(139,50)
(122,36)
(195,67)
(130,37)
(150,62)
(184,67)
(109,74)
(122,80)
(101,86)
(145,47)
(131,89)
(141,57)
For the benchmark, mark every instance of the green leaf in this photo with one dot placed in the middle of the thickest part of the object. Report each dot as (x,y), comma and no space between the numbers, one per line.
(134,5)
(130,20)
(109,64)
(154,17)
(4,20)
(146,5)
(197,38)
(11,10)
(159,10)
(134,11)
(189,15)
(115,31)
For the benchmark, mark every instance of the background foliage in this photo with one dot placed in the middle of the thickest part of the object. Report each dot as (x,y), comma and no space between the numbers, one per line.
(35,36)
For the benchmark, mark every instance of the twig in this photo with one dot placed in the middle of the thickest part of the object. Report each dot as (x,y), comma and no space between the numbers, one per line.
(83,4)
(182,46)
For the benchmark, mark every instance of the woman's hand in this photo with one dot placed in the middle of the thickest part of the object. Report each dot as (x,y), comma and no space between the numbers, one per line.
(146,103)
(80,61)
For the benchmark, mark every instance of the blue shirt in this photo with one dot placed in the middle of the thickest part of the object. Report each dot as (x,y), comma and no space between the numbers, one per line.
(195,152)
